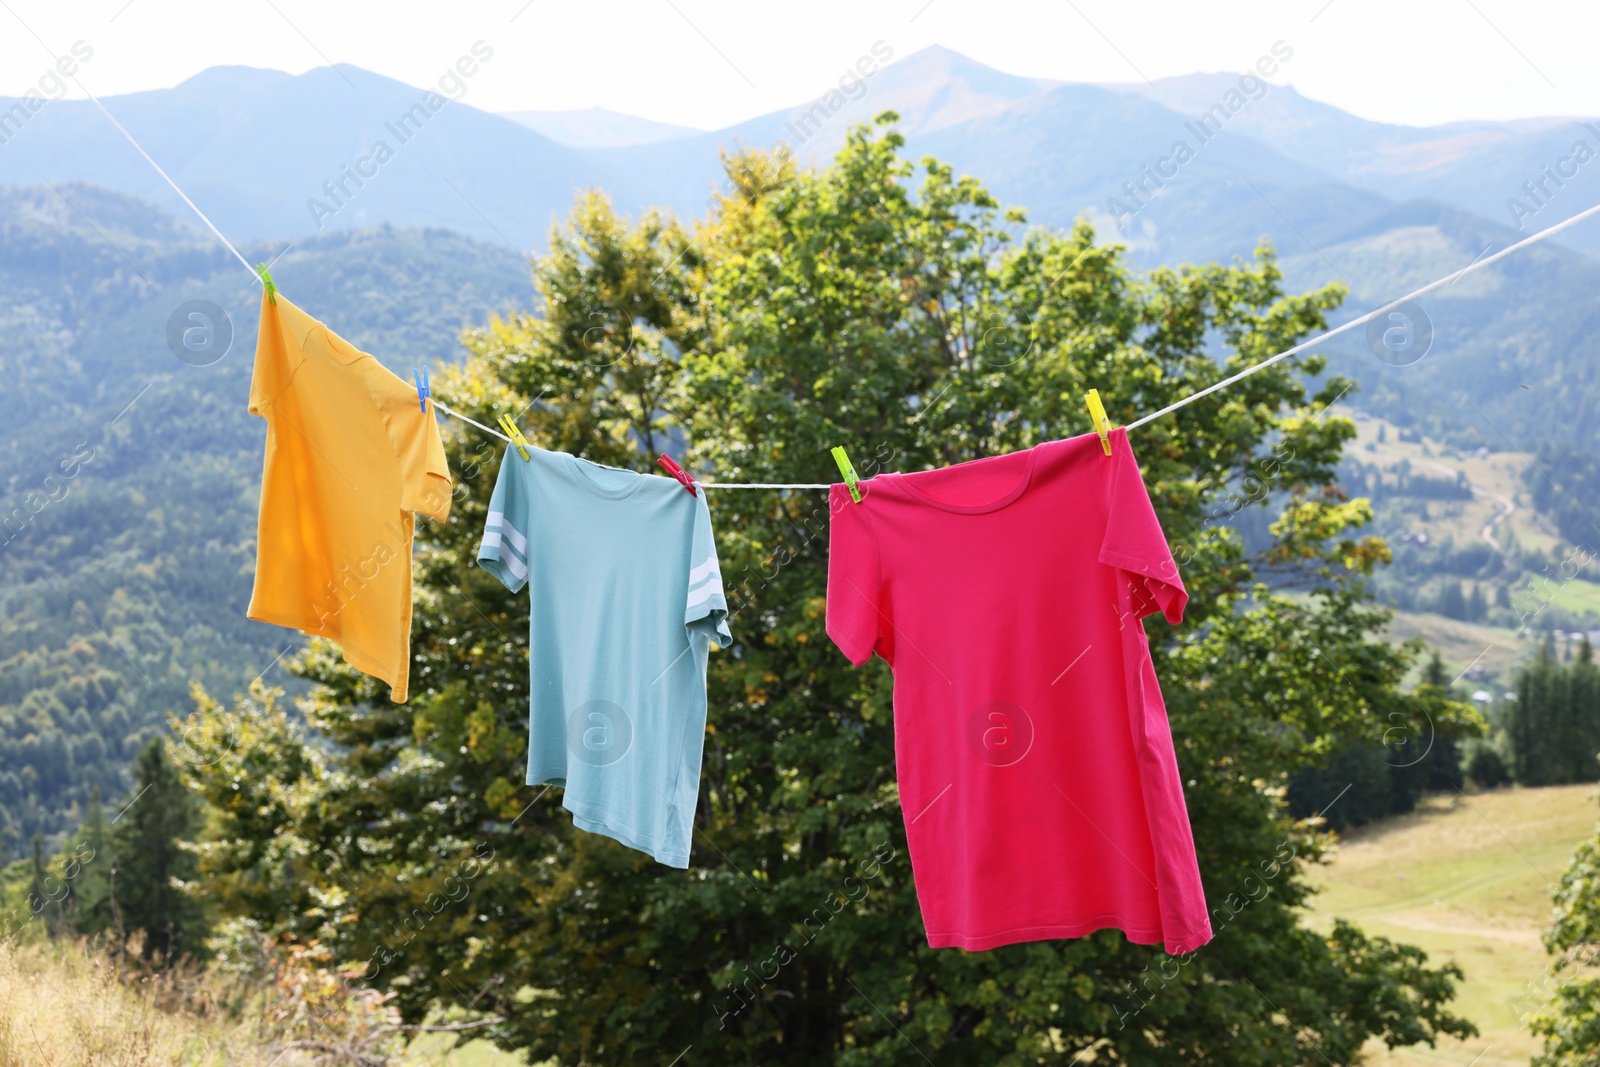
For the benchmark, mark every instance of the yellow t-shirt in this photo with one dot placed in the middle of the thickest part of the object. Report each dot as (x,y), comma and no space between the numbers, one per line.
(350,456)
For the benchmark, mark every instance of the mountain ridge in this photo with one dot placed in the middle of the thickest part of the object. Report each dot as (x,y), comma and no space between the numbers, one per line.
(935,90)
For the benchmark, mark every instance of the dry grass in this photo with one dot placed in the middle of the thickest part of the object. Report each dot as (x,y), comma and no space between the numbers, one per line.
(63,1004)
(66,1004)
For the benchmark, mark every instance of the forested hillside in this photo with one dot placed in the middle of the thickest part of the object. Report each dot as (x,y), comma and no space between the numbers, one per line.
(1566,485)
(128,502)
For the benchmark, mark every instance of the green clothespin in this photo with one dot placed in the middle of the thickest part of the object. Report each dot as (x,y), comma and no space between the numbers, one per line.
(266,281)
(848,471)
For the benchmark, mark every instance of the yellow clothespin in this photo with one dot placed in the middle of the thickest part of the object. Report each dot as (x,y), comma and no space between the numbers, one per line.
(1097,416)
(849,473)
(515,434)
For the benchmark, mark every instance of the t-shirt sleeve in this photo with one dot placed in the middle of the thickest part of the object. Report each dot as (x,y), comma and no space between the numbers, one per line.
(424,472)
(853,582)
(1134,543)
(706,609)
(504,549)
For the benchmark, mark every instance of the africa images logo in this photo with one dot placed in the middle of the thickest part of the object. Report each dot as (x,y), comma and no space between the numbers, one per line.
(599,733)
(999,732)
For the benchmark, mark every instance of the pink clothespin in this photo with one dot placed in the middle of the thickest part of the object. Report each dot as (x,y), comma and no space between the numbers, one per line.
(671,467)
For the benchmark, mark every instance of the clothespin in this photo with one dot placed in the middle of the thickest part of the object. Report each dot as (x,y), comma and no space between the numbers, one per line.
(515,434)
(421,378)
(848,471)
(672,468)
(266,281)
(1097,416)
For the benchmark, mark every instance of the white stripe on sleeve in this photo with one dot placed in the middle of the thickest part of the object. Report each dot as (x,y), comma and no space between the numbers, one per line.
(517,541)
(705,593)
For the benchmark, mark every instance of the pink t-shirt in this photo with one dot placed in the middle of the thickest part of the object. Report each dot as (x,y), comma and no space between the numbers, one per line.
(1037,775)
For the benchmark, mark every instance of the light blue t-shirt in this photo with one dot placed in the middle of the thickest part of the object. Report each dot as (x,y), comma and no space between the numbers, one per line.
(626,600)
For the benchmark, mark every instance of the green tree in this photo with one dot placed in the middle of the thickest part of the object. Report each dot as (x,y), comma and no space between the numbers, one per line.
(1569,1022)
(91,888)
(1443,746)
(1555,721)
(1452,605)
(149,864)
(917,325)
(45,892)
(1418,752)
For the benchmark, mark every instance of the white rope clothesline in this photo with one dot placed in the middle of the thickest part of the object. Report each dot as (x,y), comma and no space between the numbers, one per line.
(1475,265)
(140,149)
(452,411)
(448,410)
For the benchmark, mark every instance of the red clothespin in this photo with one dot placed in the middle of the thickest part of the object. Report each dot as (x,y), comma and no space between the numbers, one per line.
(670,465)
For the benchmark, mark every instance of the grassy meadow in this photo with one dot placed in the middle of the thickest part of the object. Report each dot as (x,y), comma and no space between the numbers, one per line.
(1469,881)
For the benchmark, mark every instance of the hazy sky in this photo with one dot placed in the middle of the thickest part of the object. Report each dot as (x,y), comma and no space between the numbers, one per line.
(710,63)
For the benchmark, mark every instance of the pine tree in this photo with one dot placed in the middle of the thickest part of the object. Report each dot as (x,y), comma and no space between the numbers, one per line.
(1583,710)
(1452,605)
(1477,605)
(147,860)
(42,898)
(91,888)
(1523,714)
(1555,721)
(1570,1022)
(1444,751)
(1537,726)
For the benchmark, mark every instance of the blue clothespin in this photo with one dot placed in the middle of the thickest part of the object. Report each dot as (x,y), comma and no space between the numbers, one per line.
(422,388)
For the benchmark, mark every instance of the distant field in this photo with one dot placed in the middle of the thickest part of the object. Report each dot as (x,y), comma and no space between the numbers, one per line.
(1576,595)
(1461,644)
(1499,476)
(1469,882)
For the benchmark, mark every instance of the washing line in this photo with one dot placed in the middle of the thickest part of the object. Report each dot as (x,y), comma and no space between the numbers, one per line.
(1475,265)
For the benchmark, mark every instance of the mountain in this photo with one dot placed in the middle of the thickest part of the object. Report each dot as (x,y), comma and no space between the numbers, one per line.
(1483,167)
(596,127)
(1512,363)
(270,156)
